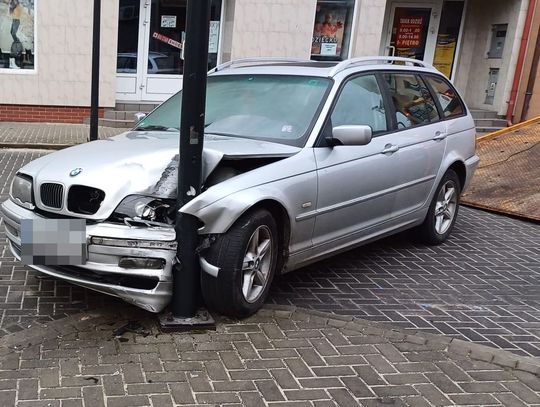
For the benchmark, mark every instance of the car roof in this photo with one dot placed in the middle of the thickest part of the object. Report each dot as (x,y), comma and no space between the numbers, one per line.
(283,66)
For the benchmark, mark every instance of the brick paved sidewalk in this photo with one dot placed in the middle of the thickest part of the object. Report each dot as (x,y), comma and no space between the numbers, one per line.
(40,135)
(279,357)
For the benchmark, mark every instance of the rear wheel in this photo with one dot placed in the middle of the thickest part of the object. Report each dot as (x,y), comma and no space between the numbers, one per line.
(246,257)
(443,210)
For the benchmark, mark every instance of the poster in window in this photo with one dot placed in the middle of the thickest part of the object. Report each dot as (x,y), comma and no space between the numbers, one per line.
(329,30)
(17,34)
(409,31)
(445,52)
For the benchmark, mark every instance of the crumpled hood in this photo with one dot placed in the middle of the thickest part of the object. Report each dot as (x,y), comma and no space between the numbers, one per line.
(138,163)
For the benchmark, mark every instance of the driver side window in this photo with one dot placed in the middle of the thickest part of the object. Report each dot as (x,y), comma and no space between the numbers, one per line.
(360,103)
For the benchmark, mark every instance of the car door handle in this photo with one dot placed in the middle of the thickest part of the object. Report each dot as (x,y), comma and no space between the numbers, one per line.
(440,136)
(390,149)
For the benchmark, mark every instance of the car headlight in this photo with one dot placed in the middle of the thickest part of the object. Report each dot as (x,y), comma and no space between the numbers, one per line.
(145,209)
(21,190)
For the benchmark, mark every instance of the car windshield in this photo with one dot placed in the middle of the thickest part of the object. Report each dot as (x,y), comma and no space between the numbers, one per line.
(277,108)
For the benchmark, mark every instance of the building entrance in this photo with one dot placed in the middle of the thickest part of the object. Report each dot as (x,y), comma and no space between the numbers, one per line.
(150,40)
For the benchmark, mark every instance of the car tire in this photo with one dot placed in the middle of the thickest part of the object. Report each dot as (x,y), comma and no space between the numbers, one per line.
(246,267)
(443,210)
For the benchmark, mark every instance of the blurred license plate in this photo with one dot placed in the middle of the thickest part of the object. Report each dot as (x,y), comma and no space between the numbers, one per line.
(53,242)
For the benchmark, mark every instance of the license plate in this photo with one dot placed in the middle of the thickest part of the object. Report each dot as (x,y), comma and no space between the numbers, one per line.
(53,242)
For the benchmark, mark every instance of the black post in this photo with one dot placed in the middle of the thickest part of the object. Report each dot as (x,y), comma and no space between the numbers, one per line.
(94,104)
(186,274)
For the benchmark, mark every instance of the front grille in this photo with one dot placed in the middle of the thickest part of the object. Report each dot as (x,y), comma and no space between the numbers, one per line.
(52,195)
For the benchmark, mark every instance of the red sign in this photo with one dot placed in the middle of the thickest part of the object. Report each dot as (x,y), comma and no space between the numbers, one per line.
(167,40)
(409,32)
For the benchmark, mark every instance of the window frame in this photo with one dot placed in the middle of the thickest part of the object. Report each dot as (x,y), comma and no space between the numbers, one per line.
(434,93)
(321,138)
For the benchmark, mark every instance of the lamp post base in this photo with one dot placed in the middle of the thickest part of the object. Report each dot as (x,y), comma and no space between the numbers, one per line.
(202,320)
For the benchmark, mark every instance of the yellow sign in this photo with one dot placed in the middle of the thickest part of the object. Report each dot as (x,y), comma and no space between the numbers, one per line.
(444,54)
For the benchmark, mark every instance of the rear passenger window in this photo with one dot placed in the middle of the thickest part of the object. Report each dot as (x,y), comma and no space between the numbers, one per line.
(412,100)
(448,98)
(360,103)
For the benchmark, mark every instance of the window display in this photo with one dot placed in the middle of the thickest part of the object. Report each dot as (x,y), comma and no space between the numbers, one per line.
(17,34)
(332,30)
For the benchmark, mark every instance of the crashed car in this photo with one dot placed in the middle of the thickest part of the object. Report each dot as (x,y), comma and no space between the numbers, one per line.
(301,160)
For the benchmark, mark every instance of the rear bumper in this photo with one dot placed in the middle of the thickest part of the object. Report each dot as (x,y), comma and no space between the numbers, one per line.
(150,289)
(470,166)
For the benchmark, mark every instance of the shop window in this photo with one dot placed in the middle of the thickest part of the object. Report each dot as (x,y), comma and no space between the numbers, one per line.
(332,30)
(17,34)
(413,102)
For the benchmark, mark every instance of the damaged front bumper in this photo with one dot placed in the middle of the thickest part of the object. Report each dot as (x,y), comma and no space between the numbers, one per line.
(108,243)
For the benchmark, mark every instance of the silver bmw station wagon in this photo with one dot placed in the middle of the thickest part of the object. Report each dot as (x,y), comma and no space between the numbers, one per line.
(301,160)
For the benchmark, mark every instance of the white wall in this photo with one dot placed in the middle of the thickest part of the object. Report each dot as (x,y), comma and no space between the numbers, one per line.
(369,27)
(64,49)
(272,28)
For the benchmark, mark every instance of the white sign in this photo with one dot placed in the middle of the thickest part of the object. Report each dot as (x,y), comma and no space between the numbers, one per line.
(328,49)
(168,21)
(213,38)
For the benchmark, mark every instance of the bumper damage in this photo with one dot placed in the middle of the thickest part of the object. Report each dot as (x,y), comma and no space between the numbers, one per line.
(108,244)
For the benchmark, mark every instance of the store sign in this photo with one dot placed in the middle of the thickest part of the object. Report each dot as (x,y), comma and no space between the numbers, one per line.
(409,32)
(168,21)
(17,34)
(167,40)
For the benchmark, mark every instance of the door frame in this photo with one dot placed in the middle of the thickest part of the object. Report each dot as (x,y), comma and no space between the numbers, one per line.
(433,28)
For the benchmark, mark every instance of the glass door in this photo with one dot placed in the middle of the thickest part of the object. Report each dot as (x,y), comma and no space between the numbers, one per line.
(412,31)
(150,64)
(130,41)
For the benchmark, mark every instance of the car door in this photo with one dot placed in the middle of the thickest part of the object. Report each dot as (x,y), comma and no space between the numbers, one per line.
(356,184)
(420,138)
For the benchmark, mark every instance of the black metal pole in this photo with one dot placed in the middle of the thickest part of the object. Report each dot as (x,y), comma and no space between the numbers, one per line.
(94,104)
(186,274)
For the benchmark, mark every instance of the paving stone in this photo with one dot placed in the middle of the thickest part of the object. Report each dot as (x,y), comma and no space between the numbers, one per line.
(482,285)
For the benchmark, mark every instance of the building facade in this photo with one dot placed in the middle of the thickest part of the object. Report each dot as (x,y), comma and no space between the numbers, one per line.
(46,46)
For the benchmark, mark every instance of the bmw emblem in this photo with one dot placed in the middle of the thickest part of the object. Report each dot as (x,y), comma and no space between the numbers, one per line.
(75,172)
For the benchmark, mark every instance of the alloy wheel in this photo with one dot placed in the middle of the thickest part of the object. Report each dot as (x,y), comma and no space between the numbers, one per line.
(445,208)
(256,264)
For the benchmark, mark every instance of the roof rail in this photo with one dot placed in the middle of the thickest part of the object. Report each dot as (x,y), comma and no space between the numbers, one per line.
(259,60)
(348,63)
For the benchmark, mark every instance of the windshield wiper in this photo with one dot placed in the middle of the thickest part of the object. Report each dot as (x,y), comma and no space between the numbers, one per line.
(155,127)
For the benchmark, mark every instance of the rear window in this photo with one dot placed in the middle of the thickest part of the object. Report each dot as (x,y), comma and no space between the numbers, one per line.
(448,98)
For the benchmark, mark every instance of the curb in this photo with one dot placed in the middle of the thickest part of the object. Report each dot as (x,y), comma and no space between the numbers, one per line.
(474,351)
(65,326)
(36,146)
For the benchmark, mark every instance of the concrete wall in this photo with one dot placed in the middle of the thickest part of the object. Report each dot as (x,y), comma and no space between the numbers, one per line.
(64,49)
(272,28)
(473,70)
(369,32)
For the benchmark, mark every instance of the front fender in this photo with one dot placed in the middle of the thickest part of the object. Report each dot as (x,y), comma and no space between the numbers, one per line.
(219,216)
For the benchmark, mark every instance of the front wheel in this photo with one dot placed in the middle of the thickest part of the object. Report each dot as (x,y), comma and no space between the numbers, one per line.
(443,210)
(246,257)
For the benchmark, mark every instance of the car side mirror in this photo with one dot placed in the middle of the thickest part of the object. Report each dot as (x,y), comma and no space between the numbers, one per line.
(351,135)
(139,116)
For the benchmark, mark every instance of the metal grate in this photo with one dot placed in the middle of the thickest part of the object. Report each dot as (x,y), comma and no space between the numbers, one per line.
(52,195)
